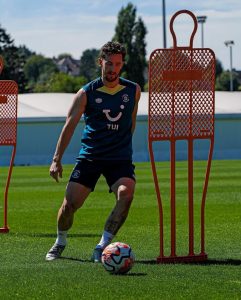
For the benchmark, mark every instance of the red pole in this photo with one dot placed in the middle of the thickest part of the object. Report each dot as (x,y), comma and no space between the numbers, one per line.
(190,196)
(204,196)
(5,228)
(173,198)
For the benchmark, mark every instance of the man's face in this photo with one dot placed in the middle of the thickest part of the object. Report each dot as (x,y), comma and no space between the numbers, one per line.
(111,67)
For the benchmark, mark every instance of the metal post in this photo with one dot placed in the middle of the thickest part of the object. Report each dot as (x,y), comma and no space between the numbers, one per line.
(164,24)
(230,44)
(202,35)
(231,69)
(202,20)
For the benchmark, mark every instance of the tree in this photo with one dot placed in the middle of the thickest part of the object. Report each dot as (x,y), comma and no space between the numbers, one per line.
(25,52)
(223,81)
(139,47)
(88,64)
(131,33)
(64,55)
(14,60)
(219,67)
(62,82)
(38,70)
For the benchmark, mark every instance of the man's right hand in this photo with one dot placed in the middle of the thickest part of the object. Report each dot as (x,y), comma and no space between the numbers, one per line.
(56,170)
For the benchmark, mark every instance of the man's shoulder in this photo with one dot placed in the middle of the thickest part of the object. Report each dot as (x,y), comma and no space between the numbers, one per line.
(93,85)
(127,83)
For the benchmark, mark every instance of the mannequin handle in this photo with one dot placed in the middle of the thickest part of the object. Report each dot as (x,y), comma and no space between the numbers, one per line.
(194,29)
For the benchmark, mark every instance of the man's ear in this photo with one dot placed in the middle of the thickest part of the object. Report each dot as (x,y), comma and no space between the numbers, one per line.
(100,60)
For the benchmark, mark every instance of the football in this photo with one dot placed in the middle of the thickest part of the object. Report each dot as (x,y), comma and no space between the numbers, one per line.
(117,258)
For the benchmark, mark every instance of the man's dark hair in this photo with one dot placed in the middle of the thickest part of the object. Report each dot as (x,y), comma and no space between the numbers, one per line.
(112,48)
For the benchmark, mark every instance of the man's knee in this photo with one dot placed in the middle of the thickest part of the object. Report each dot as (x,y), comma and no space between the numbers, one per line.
(68,207)
(75,195)
(125,193)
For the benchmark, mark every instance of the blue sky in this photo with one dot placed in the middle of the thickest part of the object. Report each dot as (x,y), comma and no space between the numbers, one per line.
(51,27)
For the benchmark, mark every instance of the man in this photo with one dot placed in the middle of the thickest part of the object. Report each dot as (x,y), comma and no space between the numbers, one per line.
(109,105)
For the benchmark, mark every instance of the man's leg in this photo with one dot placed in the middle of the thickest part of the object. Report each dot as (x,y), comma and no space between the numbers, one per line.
(124,191)
(74,198)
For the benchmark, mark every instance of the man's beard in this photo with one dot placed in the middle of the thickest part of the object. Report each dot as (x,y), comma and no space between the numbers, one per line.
(111,77)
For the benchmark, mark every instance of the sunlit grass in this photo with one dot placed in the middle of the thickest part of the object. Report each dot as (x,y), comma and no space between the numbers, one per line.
(34,199)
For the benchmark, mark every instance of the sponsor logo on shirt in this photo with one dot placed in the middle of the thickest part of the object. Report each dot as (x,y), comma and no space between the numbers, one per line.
(125,98)
(98,100)
(110,118)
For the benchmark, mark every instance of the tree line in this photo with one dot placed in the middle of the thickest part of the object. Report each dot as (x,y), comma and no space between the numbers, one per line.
(36,73)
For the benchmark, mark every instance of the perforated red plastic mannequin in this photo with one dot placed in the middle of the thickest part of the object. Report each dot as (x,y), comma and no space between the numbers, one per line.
(8,129)
(181,107)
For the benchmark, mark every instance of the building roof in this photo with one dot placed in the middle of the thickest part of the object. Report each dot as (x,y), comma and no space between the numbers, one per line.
(69,65)
(52,105)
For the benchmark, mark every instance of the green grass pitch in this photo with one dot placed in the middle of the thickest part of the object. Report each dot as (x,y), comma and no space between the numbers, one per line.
(34,199)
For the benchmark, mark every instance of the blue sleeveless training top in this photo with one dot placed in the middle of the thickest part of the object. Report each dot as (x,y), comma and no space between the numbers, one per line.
(108,121)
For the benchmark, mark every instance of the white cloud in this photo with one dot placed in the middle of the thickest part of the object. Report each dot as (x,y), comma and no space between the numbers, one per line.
(79,25)
(220,26)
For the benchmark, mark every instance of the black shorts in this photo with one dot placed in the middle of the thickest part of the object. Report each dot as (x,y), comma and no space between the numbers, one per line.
(87,172)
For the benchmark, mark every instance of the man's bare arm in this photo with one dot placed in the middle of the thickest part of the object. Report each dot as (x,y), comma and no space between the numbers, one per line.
(137,98)
(73,117)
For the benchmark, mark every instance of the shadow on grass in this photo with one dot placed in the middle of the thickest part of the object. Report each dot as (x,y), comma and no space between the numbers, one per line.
(228,262)
(71,235)
(89,261)
(135,274)
(74,259)
(146,262)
